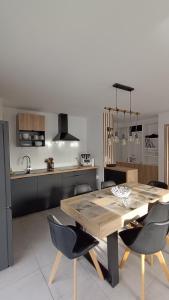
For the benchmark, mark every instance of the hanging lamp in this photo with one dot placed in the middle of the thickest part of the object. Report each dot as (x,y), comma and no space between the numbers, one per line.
(137,140)
(123,141)
(130,139)
(116,136)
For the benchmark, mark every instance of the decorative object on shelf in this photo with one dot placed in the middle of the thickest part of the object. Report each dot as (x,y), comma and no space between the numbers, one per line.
(38,143)
(121,191)
(25,136)
(50,164)
(85,159)
(151,141)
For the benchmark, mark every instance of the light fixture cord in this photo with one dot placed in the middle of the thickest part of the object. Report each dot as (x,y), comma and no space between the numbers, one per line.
(116,98)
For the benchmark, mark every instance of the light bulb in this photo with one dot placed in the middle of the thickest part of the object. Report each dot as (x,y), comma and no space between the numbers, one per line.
(137,140)
(123,141)
(116,138)
(109,141)
(130,139)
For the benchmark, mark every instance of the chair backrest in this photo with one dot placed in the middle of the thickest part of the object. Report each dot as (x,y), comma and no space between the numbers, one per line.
(159,184)
(63,237)
(82,189)
(159,212)
(152,236)
(106,184)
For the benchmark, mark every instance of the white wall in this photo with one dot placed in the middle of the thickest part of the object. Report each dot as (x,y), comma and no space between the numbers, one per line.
(95,141)
(163,118)
(1,109)
(63,156)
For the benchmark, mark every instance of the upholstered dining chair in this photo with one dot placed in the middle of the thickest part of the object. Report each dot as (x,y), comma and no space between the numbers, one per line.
(106,184)
(71,242)
(158,184)
(82,189)
(149,239)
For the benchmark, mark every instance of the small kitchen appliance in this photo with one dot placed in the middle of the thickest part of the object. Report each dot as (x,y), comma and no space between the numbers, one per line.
(85,159)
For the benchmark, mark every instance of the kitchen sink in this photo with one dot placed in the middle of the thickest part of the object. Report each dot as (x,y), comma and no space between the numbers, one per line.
(41,171)
(17,173)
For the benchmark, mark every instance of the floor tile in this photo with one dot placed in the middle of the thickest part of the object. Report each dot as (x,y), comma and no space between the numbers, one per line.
(31,287)
(34,255)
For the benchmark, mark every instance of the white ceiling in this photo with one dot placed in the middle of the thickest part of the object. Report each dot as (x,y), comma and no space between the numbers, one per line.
(64,56)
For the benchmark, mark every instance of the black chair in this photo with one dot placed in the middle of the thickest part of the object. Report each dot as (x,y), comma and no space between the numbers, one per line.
(82,189)
(158,184)
(73,243)
(149,239)
(106,184)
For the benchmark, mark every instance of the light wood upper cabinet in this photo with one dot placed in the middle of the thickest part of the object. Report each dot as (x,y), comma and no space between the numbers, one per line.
(30,122)
(38,122)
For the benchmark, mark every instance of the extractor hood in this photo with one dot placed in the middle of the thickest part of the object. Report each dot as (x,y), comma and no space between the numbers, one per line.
(63,134)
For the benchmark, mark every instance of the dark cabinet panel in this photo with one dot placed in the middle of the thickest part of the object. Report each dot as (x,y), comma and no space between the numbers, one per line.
(43,192)
(70,180)
(24,196)
(117,176)
(49,190)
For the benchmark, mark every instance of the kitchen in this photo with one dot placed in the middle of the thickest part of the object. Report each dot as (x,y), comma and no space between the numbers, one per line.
(65,153)
(84,150)
(47,162)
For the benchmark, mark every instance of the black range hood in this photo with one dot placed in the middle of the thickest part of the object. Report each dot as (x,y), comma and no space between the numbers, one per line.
(63,134)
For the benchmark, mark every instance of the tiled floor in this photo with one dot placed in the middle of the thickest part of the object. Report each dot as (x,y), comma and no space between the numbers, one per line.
(34,255)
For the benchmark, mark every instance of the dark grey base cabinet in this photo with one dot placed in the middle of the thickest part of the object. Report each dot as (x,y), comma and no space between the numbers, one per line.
(24,196)
(117,176)
(38,193)
(71,179)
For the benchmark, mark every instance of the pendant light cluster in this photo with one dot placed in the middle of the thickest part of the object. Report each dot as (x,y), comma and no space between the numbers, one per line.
(113,134)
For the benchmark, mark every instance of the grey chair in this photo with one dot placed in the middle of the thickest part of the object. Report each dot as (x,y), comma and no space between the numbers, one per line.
(158,184)
(82,189)
(149,239)
(106,184)
(71,242)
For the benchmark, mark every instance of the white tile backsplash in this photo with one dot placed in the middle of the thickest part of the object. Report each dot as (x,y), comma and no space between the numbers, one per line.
(65,155)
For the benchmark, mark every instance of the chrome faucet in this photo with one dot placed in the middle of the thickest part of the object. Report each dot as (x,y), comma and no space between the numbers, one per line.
(28,161)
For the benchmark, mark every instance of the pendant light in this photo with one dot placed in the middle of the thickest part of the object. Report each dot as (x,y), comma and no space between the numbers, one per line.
(116,137)
(137,140)
(123,141)
(130,139)
(109,135)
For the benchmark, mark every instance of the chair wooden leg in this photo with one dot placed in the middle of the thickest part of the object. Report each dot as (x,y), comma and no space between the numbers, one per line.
(96,264)
(142,275)
(124,258)
(163,264)
(75,279)
(151,261)
(167,239)
(55,267)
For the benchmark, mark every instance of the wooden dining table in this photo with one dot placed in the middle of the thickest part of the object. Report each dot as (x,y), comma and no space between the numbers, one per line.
(102,215)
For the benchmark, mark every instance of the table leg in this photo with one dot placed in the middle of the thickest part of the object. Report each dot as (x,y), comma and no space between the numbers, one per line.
(112,273)
(112,257)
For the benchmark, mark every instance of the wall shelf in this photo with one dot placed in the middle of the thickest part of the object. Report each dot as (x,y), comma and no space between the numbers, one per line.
(27,127)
